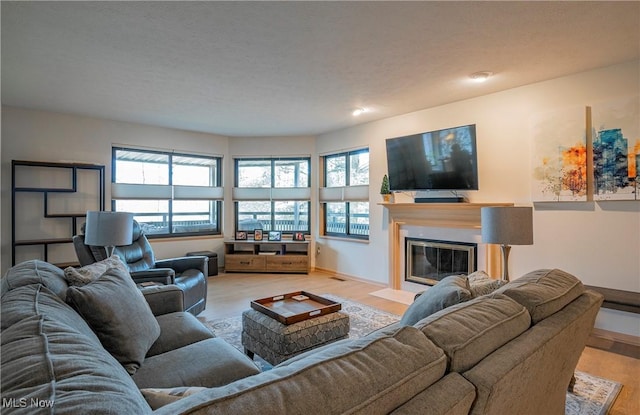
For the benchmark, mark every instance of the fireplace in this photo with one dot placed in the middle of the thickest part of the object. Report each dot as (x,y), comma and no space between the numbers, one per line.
(428,261)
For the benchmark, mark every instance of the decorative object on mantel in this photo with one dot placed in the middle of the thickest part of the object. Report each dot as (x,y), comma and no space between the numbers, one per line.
(507,225)
(108,229)
(387,196)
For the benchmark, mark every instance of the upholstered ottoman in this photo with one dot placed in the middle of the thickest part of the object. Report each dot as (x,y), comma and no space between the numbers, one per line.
(276,342)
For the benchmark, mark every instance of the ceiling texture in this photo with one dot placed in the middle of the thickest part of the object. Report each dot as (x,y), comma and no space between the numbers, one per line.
(248,69)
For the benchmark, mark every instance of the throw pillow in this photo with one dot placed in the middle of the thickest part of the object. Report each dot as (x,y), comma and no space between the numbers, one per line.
(450,290)
(478,276)
(480,283)
(486,287)
(159,397)
(118,313)
(91,272)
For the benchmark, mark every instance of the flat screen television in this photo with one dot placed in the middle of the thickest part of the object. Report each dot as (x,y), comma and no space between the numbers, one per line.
(435,160)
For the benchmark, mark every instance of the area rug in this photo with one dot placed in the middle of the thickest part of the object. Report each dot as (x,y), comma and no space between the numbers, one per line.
(592,395)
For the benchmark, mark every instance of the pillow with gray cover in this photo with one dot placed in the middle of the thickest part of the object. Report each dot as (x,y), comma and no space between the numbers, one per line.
(450,290)
(91,272)
(119,315)
(480,283)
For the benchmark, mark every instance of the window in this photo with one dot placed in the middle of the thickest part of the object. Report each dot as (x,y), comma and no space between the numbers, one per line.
(272,194)
(169,193)
(345,195)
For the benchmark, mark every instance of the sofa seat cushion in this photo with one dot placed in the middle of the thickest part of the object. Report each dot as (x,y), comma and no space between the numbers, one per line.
(470,331)
(371,375)
(178,330)
(544,292)
(208,363)
(35,272)
(47,364)
(451,290)
(116,310)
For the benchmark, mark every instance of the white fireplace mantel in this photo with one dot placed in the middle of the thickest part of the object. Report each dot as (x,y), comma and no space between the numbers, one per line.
(439,215)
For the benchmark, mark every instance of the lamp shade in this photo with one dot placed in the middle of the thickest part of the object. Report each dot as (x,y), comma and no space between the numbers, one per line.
(507,225)
(108,228)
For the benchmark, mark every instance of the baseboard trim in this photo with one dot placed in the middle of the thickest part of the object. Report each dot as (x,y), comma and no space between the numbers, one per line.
(619,343)
(348,277)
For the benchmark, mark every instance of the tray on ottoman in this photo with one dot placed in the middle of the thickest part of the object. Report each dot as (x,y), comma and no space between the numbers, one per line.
(295,307)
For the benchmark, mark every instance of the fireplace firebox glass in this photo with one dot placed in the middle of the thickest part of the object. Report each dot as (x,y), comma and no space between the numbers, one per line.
(428,261)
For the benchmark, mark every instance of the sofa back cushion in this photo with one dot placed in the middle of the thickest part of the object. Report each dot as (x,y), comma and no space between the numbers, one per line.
(35,272)
(371,375)
(47,364)
(470,331)
(543,292)
(30,300)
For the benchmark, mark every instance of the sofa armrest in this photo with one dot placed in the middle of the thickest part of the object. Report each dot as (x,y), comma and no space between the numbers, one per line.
(164,299)
(182,264)
(160,275)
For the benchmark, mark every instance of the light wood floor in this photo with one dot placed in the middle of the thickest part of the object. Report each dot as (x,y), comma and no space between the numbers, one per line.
(230,294)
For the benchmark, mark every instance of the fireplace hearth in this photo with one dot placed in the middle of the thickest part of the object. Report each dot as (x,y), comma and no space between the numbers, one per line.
(428,261)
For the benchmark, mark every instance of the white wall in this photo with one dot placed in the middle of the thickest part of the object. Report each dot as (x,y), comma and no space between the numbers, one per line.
(598,242)
(46,136)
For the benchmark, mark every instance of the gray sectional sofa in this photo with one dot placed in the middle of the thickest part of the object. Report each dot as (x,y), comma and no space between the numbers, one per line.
(509,352)
(64,359)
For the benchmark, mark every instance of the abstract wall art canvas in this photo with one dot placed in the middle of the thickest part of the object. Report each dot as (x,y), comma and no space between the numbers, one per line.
(616,149)
(559,156)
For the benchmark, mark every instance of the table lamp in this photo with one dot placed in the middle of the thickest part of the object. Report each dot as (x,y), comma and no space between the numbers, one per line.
(108,229)
(507,225)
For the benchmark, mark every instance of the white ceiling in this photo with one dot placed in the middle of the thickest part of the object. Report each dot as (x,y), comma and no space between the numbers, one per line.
(293,68)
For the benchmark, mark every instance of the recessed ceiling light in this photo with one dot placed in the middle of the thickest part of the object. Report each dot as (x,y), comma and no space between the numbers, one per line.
(359,111)
(480,76)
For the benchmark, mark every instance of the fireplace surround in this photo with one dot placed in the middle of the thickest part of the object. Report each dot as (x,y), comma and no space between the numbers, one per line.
(439,215)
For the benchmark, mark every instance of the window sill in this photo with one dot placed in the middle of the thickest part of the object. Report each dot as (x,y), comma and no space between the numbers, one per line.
(344,239)
(176,238)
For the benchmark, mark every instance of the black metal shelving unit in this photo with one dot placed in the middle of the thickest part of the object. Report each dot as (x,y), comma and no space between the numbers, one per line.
(72,190)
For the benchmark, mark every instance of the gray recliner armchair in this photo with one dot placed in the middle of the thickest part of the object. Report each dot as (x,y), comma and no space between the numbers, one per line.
(188,273)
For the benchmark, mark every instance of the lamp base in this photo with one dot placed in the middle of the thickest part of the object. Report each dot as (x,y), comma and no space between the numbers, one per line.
(505,261)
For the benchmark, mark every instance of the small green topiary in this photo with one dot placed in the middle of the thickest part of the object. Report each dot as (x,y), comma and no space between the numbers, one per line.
(384,189)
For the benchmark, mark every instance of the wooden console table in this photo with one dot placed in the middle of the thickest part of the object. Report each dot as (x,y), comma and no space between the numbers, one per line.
(266,256)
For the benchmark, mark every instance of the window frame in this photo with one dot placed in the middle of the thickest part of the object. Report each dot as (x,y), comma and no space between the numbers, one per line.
(273,213)
(347,203)
(217,203)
